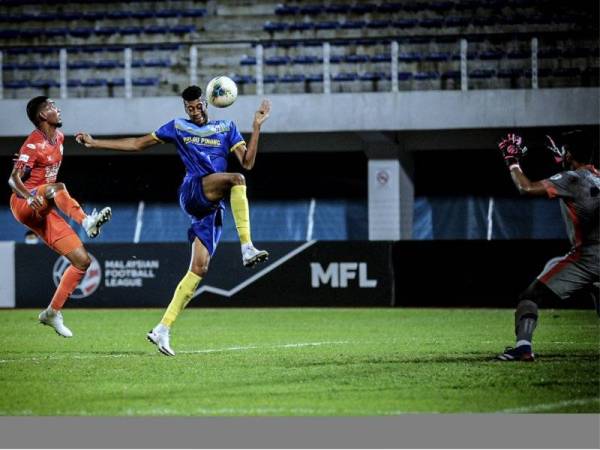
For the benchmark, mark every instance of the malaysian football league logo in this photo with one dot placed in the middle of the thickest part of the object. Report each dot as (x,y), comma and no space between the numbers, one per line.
(90,282)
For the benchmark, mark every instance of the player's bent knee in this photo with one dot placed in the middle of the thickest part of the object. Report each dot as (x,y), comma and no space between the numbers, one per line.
(237,179)
(538,293)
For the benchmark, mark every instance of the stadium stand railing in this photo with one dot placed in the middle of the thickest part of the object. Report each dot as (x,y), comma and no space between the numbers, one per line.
(374,46)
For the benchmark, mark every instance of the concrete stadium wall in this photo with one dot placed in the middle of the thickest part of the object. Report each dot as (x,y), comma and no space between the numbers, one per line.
(412,110)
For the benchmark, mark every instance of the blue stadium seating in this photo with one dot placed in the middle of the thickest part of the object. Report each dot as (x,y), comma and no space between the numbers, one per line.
(427,75)
(145,81)
(345,76)
(353,24)
(306,59)
(277,60)
(293,78)
(482,73)
(301,26)
(94,82)
(327,25)
(311,10)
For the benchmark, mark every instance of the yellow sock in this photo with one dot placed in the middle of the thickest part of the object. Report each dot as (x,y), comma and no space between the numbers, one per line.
(241,212)
(183,294)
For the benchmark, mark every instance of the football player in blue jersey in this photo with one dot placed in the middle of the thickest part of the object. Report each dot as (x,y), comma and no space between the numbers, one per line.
(203,146)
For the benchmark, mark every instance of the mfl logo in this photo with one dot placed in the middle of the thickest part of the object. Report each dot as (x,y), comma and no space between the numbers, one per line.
(337,275)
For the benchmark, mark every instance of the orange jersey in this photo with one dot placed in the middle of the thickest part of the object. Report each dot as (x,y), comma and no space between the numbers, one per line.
(40,158)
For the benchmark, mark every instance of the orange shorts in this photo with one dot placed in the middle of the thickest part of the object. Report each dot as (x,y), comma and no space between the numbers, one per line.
(47,224)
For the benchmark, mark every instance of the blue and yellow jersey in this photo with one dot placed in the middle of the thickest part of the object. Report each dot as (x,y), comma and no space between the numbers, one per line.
(203,149)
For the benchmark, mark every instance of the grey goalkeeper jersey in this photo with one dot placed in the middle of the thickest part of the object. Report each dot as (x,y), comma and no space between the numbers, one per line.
(579,192)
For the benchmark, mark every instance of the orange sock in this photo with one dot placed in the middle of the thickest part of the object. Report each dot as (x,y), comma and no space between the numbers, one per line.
(67,285)
(69,206)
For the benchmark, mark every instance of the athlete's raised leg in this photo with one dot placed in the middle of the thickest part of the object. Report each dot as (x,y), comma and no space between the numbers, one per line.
(58,194)
(216,186)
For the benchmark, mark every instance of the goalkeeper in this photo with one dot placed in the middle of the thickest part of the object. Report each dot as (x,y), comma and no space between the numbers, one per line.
(577,187)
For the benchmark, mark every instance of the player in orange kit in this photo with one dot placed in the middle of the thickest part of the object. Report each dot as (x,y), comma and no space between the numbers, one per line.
(35,195)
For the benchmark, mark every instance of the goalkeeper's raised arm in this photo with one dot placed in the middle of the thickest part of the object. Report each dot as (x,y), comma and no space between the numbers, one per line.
(512,149)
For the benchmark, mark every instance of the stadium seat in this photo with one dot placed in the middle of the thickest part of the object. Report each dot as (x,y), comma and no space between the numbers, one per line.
(301,26)
(284,10)
(380,58)
(56,32)
(356,59)
(428,75)
(327,25)
(510,73)
(16,84)
(353,24)
(409,57)
(131,30)
(345,76)
(80,64)
(311,10)
(248,61)
(437,56)
(182,29)
(243,79)
(52,65)
(306,59)
(269,79)
(293,78)
(387,7)
(432,22)
(456,21)
(337,8)
(378,24)
(277,60)
(405,76)
(44,83)
(106,31)
(142,14)
(107,64)
(81,32)
(156,29)
(145,81)
(482,73)
(197,12)
(157,63)
(73,83)
(94,82)
(167,13)
(490,55)
(404,23)
(372,76)
(363,8)
(275,27)
(314,77)
(29,66)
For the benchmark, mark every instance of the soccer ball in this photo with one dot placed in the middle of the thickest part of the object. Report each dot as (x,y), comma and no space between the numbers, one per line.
(221,91)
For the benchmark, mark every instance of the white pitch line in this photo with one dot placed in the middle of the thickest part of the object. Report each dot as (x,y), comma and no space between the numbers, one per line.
(185,352)
(254,347)
(549,406)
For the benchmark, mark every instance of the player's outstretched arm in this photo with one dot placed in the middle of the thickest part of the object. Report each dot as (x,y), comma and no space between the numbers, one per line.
(124,144)
(247,155)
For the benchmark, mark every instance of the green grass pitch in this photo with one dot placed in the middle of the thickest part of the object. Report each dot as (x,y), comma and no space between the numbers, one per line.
(296,362)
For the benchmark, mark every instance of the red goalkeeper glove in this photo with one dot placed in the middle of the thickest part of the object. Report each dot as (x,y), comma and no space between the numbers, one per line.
(511,148)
